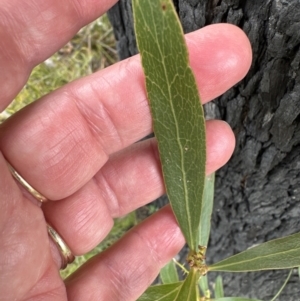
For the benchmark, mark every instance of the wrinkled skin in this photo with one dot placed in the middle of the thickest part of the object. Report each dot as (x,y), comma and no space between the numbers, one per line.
(75,146)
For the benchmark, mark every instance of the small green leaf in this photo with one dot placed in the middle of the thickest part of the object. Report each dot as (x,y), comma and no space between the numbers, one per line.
(235,299)
(207,207)
(168,274)
(203,283)
(219,291)
(186,290)
(282,253)
(165,292)
(178,119)
(189,290)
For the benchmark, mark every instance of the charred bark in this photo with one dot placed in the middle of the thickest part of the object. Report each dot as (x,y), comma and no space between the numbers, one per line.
(258,191)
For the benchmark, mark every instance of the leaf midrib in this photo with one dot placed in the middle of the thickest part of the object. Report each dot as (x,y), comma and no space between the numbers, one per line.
(253,259)
(187,208)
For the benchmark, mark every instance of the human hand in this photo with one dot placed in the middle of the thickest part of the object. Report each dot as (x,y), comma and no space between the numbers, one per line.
(76,147)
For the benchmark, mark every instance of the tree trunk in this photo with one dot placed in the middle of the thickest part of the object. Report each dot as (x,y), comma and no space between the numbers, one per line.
(258,191)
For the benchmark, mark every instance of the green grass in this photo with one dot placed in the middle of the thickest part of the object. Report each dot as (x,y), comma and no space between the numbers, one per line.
(91,49)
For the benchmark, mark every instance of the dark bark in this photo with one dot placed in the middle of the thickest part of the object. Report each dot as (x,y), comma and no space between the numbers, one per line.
(257,192)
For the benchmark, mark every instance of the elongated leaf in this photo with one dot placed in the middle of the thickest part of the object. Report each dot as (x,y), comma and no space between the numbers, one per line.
(203,283)
(168,274)
(282,253)
(178,120)
(189,289)
(219,291)
(186,290)
(165,292)
(207,207)
(235,299)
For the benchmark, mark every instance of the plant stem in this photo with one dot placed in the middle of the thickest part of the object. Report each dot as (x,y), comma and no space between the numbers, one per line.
(181,266)
(283,286)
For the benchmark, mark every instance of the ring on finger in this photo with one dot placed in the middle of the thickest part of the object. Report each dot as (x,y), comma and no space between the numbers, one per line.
(65,252)
(26,185)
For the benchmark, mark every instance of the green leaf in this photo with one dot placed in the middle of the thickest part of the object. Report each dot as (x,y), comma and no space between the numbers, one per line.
(206,211)
(189,290)
(282,253)
(165,292)
(186,290)
(168,274)
(203,283)
(178,119)
(219,291)
(235,299)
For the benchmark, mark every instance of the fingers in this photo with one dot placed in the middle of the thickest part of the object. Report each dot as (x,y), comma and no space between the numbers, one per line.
(67,136)
(33,30)
(125,270)
(220,57)
(13,215)
(24,245)
(129,180)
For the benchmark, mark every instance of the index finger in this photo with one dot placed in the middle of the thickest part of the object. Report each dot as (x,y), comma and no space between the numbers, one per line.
(64,139)
(32,30)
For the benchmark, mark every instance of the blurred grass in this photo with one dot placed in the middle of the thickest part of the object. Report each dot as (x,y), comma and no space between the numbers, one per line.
(91,49)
